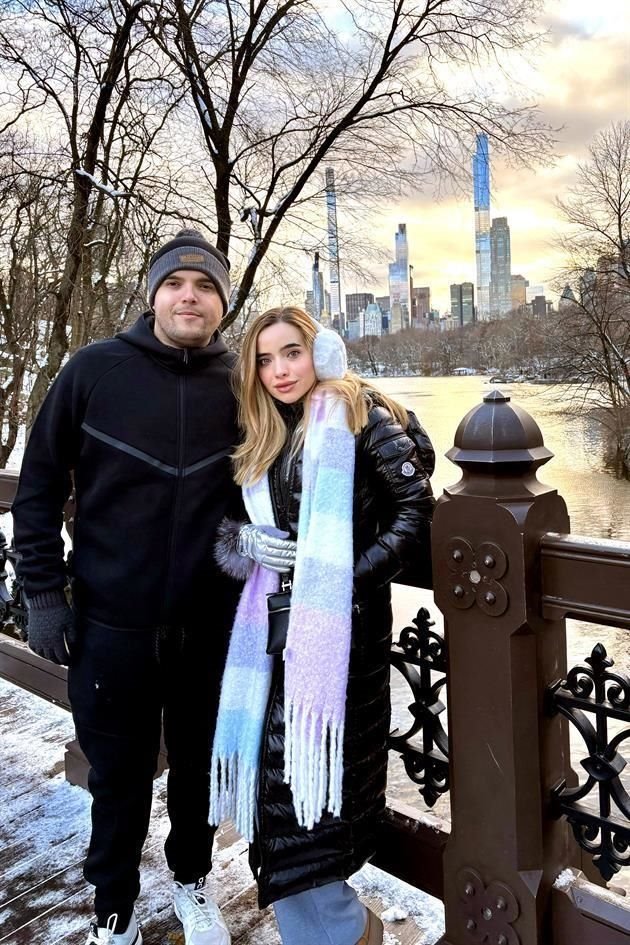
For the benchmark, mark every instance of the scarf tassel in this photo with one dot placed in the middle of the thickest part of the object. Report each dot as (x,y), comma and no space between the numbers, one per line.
(313,764)
(233,793)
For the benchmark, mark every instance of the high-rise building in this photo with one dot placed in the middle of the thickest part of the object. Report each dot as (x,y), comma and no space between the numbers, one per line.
(500,267)
(539,305)
(533,290)
(420,305)
(399,286)
(463,303)
(383,303)
(567,299)
(318,290)
(353,331)
(481,187)
(373,320)
(333,252)
(456,302)
(587,284)
(357,302)
(519,292)
(468,303)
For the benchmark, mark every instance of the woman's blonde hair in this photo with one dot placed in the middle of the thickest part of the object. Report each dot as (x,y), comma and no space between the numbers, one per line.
(264,430)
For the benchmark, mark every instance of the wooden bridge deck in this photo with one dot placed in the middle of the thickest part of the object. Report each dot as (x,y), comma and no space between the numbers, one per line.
(44,824)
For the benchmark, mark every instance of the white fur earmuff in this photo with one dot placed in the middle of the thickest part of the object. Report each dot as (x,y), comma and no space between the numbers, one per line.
(330,360)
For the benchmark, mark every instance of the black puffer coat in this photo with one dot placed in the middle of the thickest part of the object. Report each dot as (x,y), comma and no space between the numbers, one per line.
(393,504)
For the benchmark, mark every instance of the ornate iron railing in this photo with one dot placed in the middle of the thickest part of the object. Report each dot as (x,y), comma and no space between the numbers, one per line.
(13,616)
(591,689)
(420,657)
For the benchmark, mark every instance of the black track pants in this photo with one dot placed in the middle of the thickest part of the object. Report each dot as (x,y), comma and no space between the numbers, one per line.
(121,685)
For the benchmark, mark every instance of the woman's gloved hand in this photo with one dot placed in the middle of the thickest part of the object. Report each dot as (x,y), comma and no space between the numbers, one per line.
(267,547)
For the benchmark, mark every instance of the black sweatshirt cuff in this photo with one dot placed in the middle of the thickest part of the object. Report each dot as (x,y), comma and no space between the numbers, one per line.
(48,599)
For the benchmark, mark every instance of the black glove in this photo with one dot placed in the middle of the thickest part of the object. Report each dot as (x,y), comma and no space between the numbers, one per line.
(51,628)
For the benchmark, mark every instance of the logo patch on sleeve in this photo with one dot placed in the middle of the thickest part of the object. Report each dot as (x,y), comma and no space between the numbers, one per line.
(407,469)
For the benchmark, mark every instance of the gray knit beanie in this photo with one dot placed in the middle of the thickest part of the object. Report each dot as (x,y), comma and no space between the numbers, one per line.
(189,250)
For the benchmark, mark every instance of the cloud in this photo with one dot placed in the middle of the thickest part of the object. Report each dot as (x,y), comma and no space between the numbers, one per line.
(580,78)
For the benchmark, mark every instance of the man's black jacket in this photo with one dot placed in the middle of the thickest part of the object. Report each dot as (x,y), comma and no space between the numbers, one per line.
(147,431)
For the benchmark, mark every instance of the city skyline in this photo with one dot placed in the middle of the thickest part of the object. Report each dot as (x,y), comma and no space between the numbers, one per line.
(579,102)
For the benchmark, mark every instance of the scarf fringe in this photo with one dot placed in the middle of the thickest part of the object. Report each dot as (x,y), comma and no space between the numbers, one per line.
(233,793)
(313,763)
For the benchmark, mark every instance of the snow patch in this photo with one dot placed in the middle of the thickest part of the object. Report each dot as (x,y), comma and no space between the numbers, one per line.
(390,939)
(100,185)
(394,914)
(565,879)
(426,911)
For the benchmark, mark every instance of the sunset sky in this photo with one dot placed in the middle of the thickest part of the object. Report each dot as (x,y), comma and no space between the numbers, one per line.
(582,82)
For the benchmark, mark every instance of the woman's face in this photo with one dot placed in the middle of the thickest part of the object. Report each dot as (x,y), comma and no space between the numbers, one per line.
(285,365)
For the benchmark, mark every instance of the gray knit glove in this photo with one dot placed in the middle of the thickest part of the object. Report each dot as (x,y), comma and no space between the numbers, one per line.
(264,545)
(51,628)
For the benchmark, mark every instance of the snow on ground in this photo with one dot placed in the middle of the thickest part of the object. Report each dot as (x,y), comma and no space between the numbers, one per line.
(50,726)
(405,901)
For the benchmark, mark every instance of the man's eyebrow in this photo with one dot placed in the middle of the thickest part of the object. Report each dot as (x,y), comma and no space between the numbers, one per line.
(198,277)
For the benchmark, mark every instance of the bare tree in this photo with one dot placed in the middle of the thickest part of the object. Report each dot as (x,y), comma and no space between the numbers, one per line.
(387,93)
(31,239)
(90,73)
(593,331)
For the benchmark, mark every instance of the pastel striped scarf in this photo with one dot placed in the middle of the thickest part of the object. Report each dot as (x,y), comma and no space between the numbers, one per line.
(318,641)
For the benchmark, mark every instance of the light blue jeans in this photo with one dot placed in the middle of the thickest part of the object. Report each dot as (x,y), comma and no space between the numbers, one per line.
(326,915)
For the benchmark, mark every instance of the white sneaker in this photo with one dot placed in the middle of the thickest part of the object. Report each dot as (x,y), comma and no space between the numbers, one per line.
(105,936)
(200,915)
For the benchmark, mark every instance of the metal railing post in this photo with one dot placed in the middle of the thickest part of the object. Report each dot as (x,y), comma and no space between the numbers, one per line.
(505,849)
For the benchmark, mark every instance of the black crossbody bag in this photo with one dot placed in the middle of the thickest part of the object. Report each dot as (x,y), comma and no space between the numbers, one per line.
(279,608)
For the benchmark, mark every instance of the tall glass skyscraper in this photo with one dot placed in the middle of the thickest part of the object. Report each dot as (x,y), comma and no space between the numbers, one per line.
(463,303)
(399,285)
(318,290)
(333,252)
(481,185)
(500,267)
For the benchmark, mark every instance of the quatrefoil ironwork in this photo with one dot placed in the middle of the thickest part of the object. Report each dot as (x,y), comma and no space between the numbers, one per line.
(476,576)
(489,912)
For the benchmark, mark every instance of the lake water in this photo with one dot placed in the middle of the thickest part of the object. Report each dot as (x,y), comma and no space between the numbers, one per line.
(598,504)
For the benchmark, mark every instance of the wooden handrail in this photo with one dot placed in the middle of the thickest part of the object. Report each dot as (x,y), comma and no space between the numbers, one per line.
(8,487)
(585,578)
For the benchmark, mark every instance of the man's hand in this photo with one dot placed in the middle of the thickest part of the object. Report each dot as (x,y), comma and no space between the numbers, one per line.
(269,550)
(51,628)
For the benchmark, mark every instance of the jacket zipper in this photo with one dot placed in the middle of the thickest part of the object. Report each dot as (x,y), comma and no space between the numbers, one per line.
(181,418)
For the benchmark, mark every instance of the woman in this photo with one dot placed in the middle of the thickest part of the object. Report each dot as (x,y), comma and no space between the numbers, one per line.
(335,482)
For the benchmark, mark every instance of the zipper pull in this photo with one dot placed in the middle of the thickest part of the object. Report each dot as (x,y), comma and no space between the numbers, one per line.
(186,356)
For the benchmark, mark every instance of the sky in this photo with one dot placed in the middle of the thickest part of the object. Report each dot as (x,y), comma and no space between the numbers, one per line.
(582,84)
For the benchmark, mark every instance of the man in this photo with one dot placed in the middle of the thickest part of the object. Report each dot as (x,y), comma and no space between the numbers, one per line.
(145,423)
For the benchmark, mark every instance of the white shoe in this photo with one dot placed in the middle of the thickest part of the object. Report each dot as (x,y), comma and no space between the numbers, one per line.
(200,915)
(105,936)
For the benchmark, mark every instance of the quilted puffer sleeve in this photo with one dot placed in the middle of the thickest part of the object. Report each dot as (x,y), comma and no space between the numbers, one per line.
(393,469)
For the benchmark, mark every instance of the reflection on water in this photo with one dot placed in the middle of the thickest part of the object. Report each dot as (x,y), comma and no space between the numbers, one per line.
(598,504)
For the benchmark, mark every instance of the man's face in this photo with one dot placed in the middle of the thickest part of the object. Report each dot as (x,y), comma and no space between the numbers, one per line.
(188,310)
